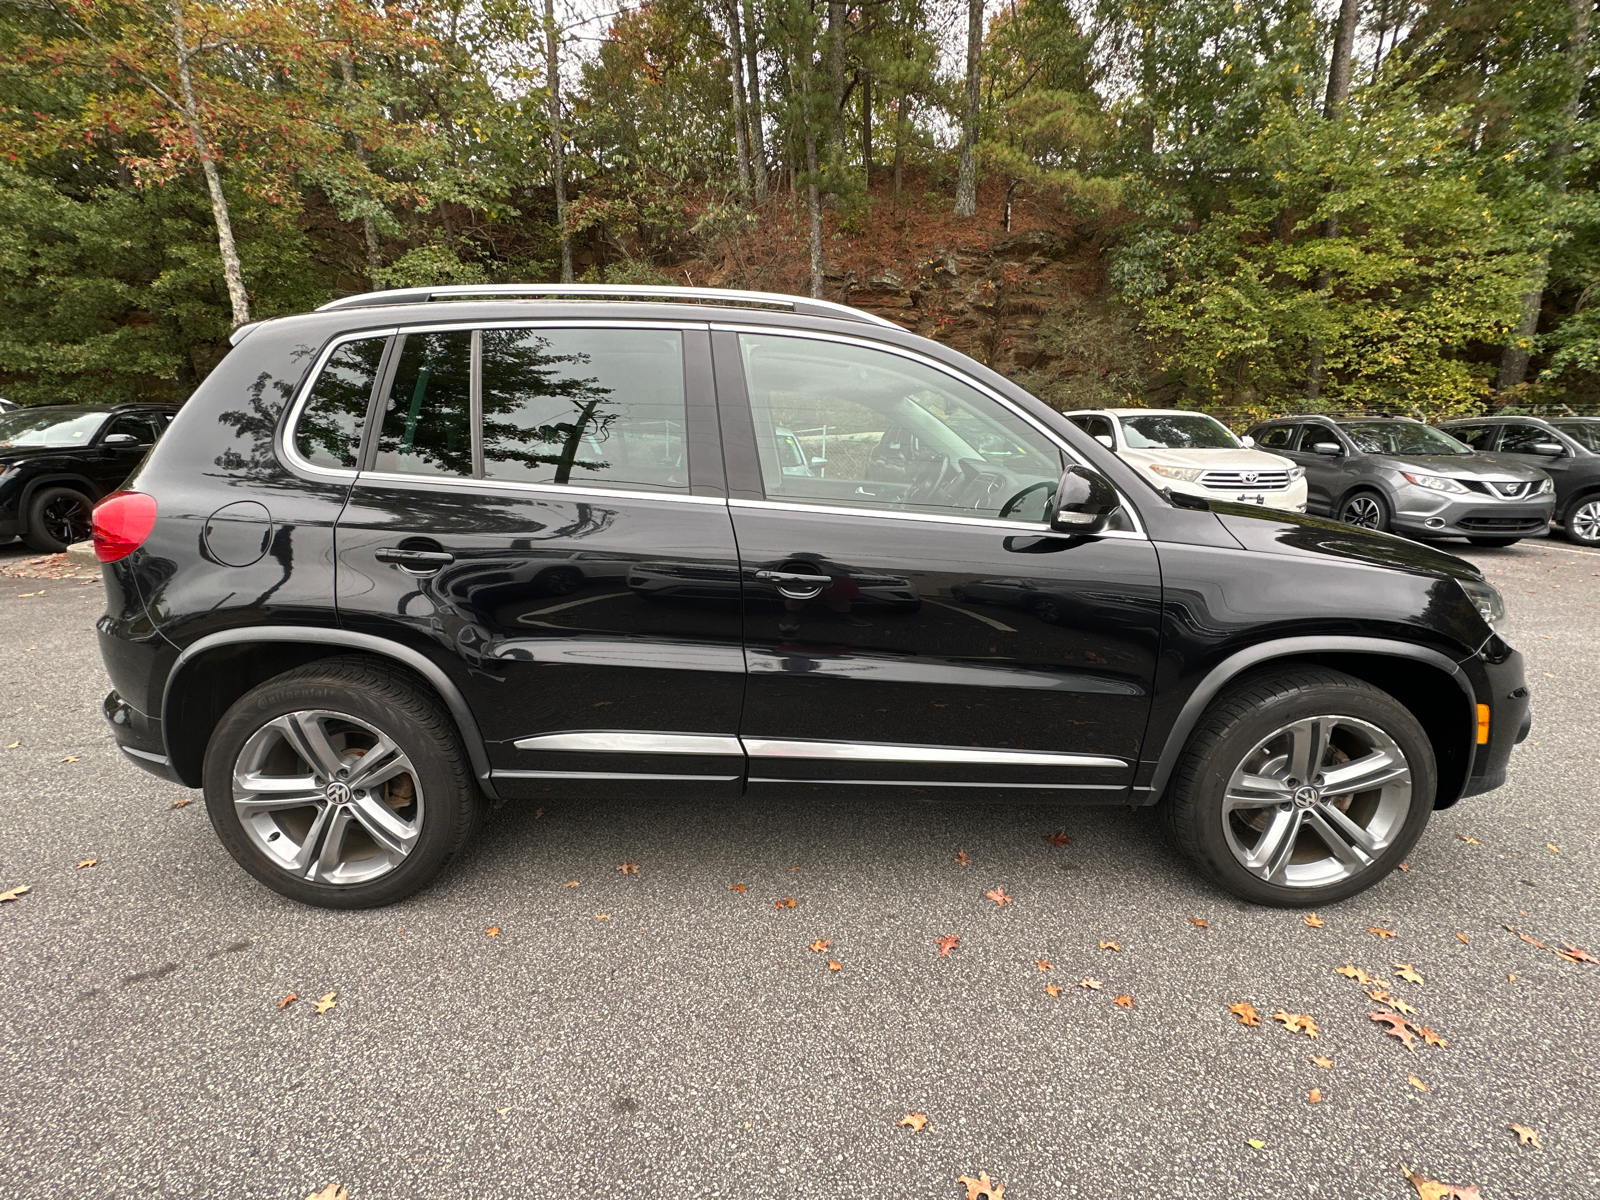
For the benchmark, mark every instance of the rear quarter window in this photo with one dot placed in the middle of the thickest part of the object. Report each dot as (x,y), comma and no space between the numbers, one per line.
(329,430)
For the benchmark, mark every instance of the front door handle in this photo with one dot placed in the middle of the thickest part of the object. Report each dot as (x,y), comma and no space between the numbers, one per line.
(794,585)
(415,560)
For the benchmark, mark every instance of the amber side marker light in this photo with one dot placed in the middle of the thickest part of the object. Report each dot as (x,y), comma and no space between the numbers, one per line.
(1483,724)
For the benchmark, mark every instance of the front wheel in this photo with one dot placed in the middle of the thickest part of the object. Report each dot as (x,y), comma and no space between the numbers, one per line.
(1493,543)
(1583,522)
(57,517)
(1367,510)
(1302,787)
(341,784)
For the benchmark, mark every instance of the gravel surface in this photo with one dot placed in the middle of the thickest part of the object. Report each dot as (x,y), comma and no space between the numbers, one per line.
(691,1045)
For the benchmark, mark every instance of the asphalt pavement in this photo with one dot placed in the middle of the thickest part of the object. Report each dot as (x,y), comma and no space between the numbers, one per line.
(690,1044)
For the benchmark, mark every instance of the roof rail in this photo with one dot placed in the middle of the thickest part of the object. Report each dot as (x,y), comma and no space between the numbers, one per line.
(602,291)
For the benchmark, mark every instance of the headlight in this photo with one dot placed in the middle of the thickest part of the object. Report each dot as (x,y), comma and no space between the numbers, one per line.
(1546,486)
(1296,473)
(1187,474)
(1434,483)
(1487,600)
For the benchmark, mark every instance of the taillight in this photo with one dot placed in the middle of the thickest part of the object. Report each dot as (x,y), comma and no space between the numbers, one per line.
(122,521)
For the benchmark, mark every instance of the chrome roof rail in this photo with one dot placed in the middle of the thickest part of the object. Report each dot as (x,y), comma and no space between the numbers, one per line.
(603,291)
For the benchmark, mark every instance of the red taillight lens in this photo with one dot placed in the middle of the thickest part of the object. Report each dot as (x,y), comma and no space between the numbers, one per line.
(122,521)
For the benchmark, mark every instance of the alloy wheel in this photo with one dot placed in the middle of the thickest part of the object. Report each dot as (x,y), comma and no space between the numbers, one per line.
(1585,523)
(327,797)
(66,518)
(1317,801)
(1364,511)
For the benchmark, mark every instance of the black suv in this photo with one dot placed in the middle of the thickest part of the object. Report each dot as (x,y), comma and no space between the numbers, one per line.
(424,549)
(57,460)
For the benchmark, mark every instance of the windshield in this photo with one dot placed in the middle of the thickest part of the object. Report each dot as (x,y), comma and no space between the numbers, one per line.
(1401,437)
(1185,431)
(50,427)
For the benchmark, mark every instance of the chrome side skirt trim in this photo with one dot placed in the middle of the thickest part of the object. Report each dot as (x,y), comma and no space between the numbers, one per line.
(770,748)
(603,742)
(147,755)
(945,783)
(612,775)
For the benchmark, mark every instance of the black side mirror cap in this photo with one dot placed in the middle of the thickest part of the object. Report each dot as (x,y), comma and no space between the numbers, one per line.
(1331,449)
(1084,502)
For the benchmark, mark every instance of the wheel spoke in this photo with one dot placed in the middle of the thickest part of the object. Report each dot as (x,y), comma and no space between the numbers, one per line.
(332,847)
(1255,791)
(305,732)
(308,848)
(1355,853)
(378,765)
(1272,851)
(383,825)
(1352,833)
(256,793)
(1308,745)
(1365,773)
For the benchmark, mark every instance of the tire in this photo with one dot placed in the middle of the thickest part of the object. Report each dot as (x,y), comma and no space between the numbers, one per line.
(57,517)
(1366,509)
(1583,521)
(389,845)
(1248,727)
(1494,543)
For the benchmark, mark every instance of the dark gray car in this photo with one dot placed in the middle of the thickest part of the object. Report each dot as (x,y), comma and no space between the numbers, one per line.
(1396,474)
(1568,450)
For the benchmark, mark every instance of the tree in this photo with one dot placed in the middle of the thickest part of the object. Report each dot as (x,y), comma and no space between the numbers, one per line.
(1339,64)
(558,168)
(967,180)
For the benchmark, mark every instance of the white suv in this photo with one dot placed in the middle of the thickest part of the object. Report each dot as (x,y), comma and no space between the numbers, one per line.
(1195,454)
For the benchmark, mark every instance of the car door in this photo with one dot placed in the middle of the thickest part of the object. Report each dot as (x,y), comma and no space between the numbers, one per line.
(910,621)
(1517,440)
(534,501)
(1326,474)
(110,464)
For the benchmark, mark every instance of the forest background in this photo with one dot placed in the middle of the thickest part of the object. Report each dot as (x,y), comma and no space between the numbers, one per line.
(1242,206)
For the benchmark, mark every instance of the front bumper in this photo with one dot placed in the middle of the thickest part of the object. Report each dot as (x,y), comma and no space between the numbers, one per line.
(1504,689)
(1419,510)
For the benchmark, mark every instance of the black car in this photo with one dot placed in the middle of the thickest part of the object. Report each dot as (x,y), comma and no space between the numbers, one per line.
(1565,450)
(57,460)
(330,602)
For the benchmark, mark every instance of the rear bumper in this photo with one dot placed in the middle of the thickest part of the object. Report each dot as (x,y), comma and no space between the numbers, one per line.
(1510,721)
(138,736)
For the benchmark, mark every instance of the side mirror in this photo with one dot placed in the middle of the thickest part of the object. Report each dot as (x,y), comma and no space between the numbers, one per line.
(1105,440)
(818,462)
(118,440)
(1331,449)
(1548,449)
(1084,502)
(1248,442)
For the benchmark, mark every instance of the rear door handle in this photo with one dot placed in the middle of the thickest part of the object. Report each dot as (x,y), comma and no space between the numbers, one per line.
(794,585)
(416,560)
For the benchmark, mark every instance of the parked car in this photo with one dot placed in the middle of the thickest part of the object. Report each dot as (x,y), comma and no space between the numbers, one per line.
(1565,451)
(290,627)
(1396,474)
(1196,454)
(57,460)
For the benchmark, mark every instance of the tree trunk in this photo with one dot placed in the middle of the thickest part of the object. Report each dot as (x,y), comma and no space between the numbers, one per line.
(741,132)
(967,178)
(1344,40)
(836,18)
(369,227)
(1514,358)
(758,145)
(902,118)
(558,165)
(866,125)
(232,271)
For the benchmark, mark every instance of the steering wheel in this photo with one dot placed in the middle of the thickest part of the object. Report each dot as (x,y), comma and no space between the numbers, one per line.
(932,475)
(1010,505)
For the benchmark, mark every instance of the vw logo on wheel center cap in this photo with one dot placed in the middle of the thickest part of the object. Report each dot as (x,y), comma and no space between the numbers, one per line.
(337,792)
(1306,796)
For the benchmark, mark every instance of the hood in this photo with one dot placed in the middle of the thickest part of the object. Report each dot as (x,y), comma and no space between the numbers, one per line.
(1459,466)
(10,455)
(1278,532)
(1215,460)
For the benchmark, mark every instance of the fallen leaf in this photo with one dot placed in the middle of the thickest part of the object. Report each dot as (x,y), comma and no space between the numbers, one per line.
(1432,1189)
(1313,920)
(1394,1002)
(14,744)
(1246,1013)
(570,883)
(88,862)
(737,887)
(602,916)
(946,944)
(1043,964)
(1430,1038)
(1406,867)
(1578,954)
(332,1192)
(182,802)
(796,867)
(1255,1143)
(962,859)
(1471,841)
(915,1120)
(288,1000)
(327,1002)
(834,966)
(1057,839)
(1109,946)
(1123,1001)
(998,895)
(1527,1137)
(1533,941)
(14,893)
(628,868)
(818,946)
(1379,932)
(1297,1022)
(1397,1027)
(70,758)
(1200,923)
(492,931)
(1094,985)
(1052,989)
(982,1188)
(1462,938)
(1351,971)
(1314,1096)
(1407,972)
(786,902)
(1416,1083)
(1511,978)
(1554,849)
(1324,1063)
(537,813)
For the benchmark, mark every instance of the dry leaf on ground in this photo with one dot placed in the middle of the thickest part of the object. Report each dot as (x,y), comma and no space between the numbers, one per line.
(1471,841)
(1394,1002)
(71,758)
(1430,1038)
(602,916)
(88,862)
(1407,972)
(181,802)
(818,946)
(1462,938)
(332,1192)
(288,1000)
(1380,932)
(1406,867)
(1351,971)
(1093,985)
(914,1120)
(570,883)
(1109,946)
(1255,1143)
(998,895)
(1314,1096)
(1122,1001)
(14,893)
(1043,964)
(1200,922)
(946,944)
(1057,839)
(1432,1189)
(1246,1013)
(326,1002)
(786,902)
(1052,989)
(1297,1023)
(737,887)
(962,859)
(1313,920)
(1578,954)
(1324,1063)
(834,966)
(982,1188)
(1396,1027)
(492,931)
(628,868)
(1552,847)
(1527,1137)
(1416,1083)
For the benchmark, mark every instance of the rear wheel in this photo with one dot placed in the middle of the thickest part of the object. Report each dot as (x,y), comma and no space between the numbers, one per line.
(1493,542)
(57,517)
(1366,509)
(1583,522)
(340,784)
(1302,787)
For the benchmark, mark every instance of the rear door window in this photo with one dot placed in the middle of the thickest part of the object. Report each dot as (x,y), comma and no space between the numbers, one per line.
(1278,437)
(1479,437)
(427,416)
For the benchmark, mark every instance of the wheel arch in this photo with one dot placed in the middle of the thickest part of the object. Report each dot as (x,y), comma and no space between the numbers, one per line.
(1374,486)
(1587,492)
(1435,690)
(213,672)
(78,483)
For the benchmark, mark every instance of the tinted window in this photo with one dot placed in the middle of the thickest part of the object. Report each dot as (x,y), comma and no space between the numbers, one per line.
(877,430)
(1275,438)
(329,432)
(1521,439)
(1587,436)
(50,427)
(1310,435)
(1401,437)
(427,426)
(1479,437)
(142,427)
(585,407)
(1097,427)
(1170,432)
